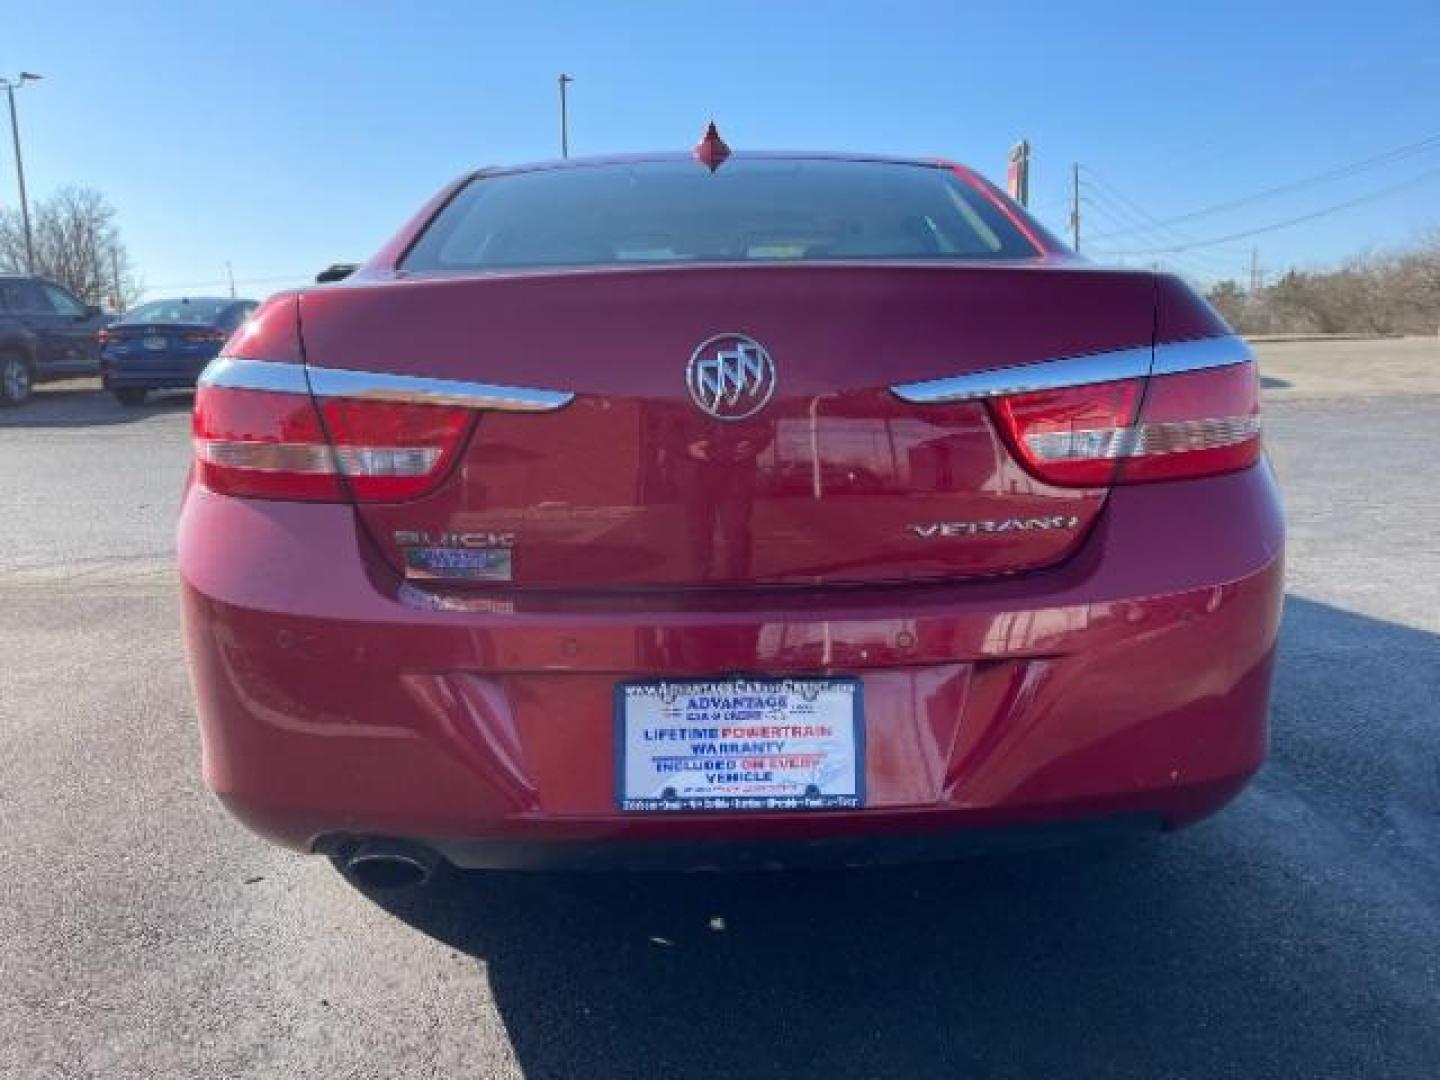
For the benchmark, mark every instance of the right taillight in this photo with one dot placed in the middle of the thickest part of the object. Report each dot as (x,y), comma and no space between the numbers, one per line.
(1170,427)
(273,445)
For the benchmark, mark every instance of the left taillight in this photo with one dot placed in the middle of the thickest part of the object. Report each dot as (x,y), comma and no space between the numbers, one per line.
(271,444)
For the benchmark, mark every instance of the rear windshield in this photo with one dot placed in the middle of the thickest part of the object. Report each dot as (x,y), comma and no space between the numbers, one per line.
(750,210)
(178,311)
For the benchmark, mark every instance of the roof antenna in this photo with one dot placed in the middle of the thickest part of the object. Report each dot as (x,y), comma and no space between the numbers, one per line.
(711,150)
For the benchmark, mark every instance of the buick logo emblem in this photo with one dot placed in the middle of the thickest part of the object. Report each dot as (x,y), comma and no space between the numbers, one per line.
(731,376)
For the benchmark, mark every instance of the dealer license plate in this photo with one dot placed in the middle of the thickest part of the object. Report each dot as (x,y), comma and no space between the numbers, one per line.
(740,744)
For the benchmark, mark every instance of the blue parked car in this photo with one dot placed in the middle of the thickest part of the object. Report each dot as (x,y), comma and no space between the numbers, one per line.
(166,343)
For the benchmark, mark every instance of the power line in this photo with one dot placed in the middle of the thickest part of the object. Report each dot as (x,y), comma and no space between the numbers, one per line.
(1160,229)
(1198,266)
(1120,209)
(1398,153)
(1101,188)
(1109,215)
(1220,257)
(1187,267)
(1274,226)
(1115,205)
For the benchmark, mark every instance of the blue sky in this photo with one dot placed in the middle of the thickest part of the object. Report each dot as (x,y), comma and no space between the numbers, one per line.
(284,136)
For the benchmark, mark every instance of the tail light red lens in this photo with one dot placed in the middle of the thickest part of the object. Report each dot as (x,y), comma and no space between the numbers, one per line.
(1195,423)
(391,451)
(269,445)
(1070,436)
(265,445)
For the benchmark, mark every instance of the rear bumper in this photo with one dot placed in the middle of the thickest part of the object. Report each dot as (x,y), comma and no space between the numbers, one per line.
(1130,684)
(154,371)
(860,847)
(160,379)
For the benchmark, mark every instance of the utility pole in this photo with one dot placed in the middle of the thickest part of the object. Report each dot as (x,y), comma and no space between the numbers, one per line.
(1075,206)
(230,273)
(115,277)
(1254,270)
(565,81)
(10,85)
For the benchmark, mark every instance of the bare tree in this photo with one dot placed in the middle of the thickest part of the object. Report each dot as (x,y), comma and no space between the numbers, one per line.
(77,243)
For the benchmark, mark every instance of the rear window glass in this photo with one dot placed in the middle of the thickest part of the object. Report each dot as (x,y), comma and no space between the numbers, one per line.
(750,210)
(178,311)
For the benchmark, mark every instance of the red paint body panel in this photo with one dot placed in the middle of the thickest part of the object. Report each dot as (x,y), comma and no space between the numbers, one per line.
(1116,666)
(1183,315)
(632,486)
(1134,678)
(272,332)
(616,494)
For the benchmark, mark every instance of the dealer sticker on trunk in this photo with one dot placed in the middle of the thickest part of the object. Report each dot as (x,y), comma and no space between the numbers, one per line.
(742,744)
(460,564)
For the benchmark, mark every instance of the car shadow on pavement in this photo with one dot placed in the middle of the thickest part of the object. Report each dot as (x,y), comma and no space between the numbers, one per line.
(1294,935)
(82,407)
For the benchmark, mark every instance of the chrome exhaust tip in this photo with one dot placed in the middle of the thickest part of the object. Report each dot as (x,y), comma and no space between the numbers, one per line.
(390,864)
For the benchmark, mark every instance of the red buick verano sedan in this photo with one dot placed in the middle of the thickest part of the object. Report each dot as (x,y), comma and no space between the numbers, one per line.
(689,510)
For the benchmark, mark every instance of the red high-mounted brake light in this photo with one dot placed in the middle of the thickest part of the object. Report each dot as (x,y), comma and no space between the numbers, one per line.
(270,445)
(1194,423)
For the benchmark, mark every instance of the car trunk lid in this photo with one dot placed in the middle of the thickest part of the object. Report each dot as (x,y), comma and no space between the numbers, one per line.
(632,484)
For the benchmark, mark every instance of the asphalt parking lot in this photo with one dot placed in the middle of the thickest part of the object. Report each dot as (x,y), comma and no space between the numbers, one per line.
(143,933)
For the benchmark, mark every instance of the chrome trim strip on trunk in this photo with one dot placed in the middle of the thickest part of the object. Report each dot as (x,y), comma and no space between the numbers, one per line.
(1168,358)
(1174,357)
(381,386)
(1025,378)
(237,373)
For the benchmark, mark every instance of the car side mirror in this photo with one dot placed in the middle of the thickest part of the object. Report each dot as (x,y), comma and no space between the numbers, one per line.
(336,272)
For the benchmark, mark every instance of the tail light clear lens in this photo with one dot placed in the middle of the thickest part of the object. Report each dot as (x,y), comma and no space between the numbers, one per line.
(1196,423)
(273,445)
